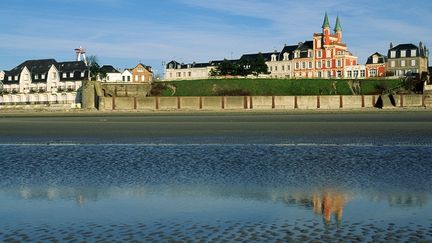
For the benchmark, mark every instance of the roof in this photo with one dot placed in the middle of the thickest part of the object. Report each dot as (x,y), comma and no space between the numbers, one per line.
(287,49)
(71,66)
(266,56)
(326,23)
(109,69)
(381,58)
(338,26)
(421,52)
(37,68)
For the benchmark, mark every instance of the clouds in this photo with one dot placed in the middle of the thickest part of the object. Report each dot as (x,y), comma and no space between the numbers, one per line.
(124,32)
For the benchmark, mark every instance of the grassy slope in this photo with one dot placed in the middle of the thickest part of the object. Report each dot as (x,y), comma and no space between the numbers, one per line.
(273,86)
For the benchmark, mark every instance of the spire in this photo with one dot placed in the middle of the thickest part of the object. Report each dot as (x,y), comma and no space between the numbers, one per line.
(326,23)
(338,25)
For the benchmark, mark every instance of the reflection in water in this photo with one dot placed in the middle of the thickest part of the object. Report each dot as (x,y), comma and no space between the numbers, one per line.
(328,203)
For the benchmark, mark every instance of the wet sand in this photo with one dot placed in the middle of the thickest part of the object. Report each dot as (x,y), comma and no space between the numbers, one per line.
(399,127)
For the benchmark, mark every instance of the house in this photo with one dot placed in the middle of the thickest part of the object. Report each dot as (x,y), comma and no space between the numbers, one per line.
(407,58)
(126,75)
(178,71)
(355,72)
(43,81)
(112,74)
(142,74)
(2,74)
(376,65)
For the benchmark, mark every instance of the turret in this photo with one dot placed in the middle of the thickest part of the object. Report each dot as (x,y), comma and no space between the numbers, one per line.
(326,28)
(338,29)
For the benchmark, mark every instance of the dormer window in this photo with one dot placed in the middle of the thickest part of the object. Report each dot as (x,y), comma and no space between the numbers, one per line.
(10,78)
(43,76)
(374,59)
(403,53)
(71,75)
(286,56)
(64,75)
(170,66)
(392,54)
(413,53)
(82,74)
(273,58)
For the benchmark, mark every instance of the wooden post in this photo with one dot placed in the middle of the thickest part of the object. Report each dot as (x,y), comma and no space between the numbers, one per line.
(250,102)
(341,101)
(178,103)
(157,102)
(135,103)
(295,102)
(113,102)
(273,102)
(245,104)
(363,101)
(223,102)
(318,102)
(401,100)
(200,103)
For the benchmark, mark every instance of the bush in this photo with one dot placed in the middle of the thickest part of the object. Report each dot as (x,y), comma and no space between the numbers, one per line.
(157,89)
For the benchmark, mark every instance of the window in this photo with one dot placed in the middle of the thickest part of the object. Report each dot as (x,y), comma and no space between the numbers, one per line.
(303,65)
(339,63)
(362,73)
(403,53)
(329,64)
(310,64)
(319,53)
(142,78)
(309,53)
(413,53)
(169,67)
(328,54)
(283,67)
(373,73)
(128,78)
(71,75)
(349,74)
(54,75)
(276,68)
(140,69)
(190,74)
(43,76)
(319,74)
(297,65)
(339,52)
(318,64)
(356,73)
(392,54)
(329,74)
(271,69)
(392,64)
(286,56)
(36,76)
(82,74)
(124,78)
(402,63)
(374,59)
(289,67)
(273,58)
(339,74)
(136,77)
(10,78)
(64,75)
(413,63)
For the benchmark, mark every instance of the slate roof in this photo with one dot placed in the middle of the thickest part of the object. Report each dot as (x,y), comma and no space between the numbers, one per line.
(408,46)
(381,58)
(267,56)
(109,69)
(37,68)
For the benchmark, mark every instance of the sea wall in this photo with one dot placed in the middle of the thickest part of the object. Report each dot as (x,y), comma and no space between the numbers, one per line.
(335,102)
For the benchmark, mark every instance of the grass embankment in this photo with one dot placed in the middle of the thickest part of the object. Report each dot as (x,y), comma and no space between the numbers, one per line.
(212,87)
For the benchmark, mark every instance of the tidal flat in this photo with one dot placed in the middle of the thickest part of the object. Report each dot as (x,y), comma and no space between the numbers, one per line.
(266,177)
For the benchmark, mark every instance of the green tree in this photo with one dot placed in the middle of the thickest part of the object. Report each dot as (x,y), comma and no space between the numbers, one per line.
(258,66)
(226,67)
(95,69)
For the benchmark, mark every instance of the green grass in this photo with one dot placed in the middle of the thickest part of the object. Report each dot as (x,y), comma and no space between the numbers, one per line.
(255,87)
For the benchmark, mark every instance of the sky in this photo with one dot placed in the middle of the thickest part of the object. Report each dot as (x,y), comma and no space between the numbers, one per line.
(123,33)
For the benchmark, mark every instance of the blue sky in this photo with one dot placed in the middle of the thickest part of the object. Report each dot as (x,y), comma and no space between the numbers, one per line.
(124,32)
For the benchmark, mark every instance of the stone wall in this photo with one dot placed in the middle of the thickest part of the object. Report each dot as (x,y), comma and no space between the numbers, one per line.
(254,102)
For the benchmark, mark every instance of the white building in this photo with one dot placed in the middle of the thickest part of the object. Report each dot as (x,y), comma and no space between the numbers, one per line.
(43,82)
(178,71)
(127,76)
(355,72)
(112,74)
(2,73)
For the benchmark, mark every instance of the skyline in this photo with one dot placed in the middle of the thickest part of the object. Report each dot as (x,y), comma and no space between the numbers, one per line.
(123,33)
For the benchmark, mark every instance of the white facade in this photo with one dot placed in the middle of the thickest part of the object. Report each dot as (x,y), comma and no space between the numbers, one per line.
(188,73)
(355,72)
(126,76)
(112,78)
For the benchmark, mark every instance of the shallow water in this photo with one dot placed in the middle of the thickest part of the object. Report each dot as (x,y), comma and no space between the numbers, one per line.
(252,192)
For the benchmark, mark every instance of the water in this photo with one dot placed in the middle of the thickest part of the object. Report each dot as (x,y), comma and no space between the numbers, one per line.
(252,192)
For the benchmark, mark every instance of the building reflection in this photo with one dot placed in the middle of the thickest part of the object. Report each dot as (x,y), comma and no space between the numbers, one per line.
(329,203)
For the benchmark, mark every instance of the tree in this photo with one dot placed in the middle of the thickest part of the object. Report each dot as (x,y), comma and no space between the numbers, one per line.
(226,67)
(258,66)
(95,69)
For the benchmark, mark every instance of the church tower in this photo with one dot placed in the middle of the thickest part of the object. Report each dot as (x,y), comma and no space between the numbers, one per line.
(338,30)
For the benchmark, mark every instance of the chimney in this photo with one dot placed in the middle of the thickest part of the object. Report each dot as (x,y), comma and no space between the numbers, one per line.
(391,45)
